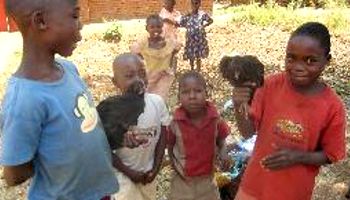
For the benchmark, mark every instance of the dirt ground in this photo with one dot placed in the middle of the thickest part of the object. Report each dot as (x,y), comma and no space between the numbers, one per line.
(94,57)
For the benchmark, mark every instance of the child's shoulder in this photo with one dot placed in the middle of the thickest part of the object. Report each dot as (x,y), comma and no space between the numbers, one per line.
(331,96)
(154,98)
(22,98)
(67,65)
(276,78)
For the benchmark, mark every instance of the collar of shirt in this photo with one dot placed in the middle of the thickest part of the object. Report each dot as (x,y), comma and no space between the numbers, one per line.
(212,113)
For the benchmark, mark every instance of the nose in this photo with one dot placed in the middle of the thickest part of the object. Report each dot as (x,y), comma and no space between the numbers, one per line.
(78,34)
(192,95)
(80,25)
(298,66)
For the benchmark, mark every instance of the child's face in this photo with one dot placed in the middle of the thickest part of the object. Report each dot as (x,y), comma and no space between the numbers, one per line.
(192,95)
(127,73)
(196,4)
(169,5)
(64,27)
(154,28)
(305,60)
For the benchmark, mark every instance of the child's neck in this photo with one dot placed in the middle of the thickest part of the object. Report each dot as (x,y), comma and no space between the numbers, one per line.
(38,63)
(313,89)
(169,9)
(197,117)
(156,43)
(194,12)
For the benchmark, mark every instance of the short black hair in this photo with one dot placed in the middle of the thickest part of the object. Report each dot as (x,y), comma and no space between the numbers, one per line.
(193,74)
(192,1)
(172,1)
(20,10)
(154,17)
(315,30)
(240,69)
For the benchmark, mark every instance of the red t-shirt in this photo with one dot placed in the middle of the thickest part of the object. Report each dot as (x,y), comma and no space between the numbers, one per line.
(291,120)
(198,141)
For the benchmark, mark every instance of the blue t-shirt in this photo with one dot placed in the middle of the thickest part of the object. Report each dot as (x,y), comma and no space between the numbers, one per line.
(56,125)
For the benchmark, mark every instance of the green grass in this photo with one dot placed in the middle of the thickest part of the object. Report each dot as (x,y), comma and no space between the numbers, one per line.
(288,18)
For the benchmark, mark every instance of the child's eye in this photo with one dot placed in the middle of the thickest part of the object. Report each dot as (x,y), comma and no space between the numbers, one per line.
(129,76)
(142,73)
(311,61)
(199,90)
(184,91)
(289,58)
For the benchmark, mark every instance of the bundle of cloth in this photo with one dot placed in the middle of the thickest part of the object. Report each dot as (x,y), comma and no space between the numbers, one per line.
(120,113)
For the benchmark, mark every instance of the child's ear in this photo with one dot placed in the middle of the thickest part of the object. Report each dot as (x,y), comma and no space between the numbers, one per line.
(38,20)
(114,81)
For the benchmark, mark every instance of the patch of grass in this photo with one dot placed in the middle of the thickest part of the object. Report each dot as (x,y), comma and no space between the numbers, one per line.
(288,18)
(113,33)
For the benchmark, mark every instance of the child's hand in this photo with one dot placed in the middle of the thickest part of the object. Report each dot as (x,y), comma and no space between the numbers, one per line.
(150,176)
(169,21)
(242,95)
(282,158)
(132,141)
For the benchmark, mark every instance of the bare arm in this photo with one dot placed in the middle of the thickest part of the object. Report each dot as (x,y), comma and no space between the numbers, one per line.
(222,148)
(244,124)
(314,158)
(241,96)
(159,154)
(210,21)
(169,21)
(283,158)
(15,175)
(135,176)
(173,160)
(160,148)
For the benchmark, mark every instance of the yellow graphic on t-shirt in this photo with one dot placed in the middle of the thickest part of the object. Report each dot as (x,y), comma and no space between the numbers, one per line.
(290,129)
(86,112)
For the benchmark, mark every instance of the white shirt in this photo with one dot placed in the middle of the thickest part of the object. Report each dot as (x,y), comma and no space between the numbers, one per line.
(150,121)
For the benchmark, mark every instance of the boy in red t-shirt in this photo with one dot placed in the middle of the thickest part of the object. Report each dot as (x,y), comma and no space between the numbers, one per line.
(195,133)
(299,119)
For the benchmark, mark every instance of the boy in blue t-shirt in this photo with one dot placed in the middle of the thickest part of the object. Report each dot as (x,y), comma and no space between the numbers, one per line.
(50,130)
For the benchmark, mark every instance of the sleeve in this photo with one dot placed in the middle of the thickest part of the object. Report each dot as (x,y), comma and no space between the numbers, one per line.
(137,46)
(68,65)
(177,17)
(223,129)
(165,118)
(21,127)
(333,136)
(162,13)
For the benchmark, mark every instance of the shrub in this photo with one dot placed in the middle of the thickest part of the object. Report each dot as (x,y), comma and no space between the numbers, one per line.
(288,18)
(113,33)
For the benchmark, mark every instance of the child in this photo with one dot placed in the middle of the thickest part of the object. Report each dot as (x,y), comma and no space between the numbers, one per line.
(171,18)
(50,127)
(195,133)
(196,42)
(159,55)
(299,119)
(138,167)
